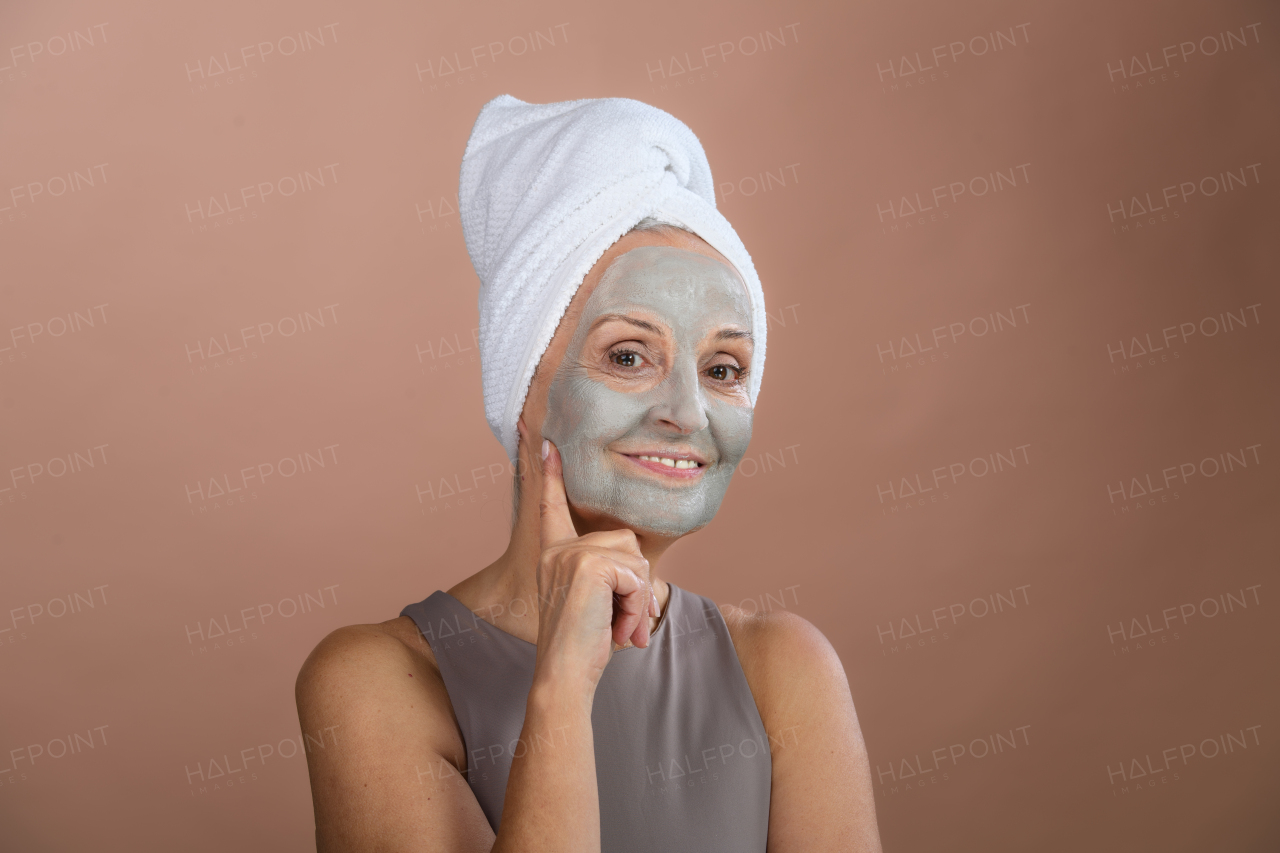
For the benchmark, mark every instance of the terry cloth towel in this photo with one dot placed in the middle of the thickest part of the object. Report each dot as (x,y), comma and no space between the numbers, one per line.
(545,189)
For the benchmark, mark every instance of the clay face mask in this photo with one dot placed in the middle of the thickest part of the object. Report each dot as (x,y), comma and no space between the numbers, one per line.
(627,401)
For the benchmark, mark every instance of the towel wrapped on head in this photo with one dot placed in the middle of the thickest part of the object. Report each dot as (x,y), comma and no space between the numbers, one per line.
(545,190)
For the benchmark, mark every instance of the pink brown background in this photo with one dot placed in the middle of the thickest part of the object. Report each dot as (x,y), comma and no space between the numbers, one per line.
(1013,452)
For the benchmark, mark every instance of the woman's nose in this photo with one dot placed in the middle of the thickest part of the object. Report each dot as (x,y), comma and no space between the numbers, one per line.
(680,404)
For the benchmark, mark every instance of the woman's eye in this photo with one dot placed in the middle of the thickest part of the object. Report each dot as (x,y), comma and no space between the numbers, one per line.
(725,372)
(625,358)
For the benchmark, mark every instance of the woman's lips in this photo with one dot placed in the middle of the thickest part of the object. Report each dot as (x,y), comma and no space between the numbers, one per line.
(650,463)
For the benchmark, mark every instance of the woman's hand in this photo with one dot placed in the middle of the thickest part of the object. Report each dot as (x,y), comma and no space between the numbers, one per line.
(594,591)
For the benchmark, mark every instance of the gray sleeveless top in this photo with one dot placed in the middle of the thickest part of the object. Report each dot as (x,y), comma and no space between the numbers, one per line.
(682,758)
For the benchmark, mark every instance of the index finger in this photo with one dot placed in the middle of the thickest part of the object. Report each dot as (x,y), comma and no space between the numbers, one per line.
(553,509)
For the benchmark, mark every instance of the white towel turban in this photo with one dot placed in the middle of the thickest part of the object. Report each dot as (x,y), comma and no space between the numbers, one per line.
(545,189)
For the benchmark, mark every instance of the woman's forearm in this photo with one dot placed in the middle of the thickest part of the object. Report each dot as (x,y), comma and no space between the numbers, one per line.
(552,803)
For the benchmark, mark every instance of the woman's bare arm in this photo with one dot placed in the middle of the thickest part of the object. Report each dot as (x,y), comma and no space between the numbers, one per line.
(394,780)
(821,796)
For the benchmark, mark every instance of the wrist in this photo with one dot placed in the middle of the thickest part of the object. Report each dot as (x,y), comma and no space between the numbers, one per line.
(559,693)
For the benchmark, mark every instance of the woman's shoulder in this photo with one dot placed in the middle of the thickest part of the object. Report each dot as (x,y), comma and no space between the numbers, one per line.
(354,649)
(771,633)
(360,676)
(356,669)
(782,655)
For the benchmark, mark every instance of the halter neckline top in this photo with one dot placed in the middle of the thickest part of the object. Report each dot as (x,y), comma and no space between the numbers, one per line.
(682,758)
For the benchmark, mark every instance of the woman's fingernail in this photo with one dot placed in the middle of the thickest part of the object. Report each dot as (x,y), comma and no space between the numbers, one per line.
(656,610)
(546,448)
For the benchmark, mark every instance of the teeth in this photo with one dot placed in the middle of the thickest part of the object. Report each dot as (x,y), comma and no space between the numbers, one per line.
(671,463)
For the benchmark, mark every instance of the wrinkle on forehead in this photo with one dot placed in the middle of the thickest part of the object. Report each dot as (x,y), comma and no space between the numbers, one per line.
(679,284)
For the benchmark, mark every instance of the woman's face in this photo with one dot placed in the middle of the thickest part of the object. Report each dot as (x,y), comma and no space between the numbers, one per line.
(649,404)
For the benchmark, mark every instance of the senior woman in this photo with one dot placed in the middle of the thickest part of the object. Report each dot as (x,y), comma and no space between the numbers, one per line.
(565,697)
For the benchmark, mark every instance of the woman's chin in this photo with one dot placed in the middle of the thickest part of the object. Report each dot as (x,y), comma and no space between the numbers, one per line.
(665,526)
(660,526)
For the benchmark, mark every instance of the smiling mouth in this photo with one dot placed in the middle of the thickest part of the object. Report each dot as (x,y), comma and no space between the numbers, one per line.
(680,467)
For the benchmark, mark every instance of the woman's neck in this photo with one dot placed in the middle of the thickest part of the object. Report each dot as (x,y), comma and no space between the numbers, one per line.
(505,592)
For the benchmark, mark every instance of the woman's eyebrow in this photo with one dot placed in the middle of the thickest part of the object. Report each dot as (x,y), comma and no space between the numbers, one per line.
(733,334)
(648,327)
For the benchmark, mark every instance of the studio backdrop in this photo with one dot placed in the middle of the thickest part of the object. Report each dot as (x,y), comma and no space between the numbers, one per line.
(1014,454)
